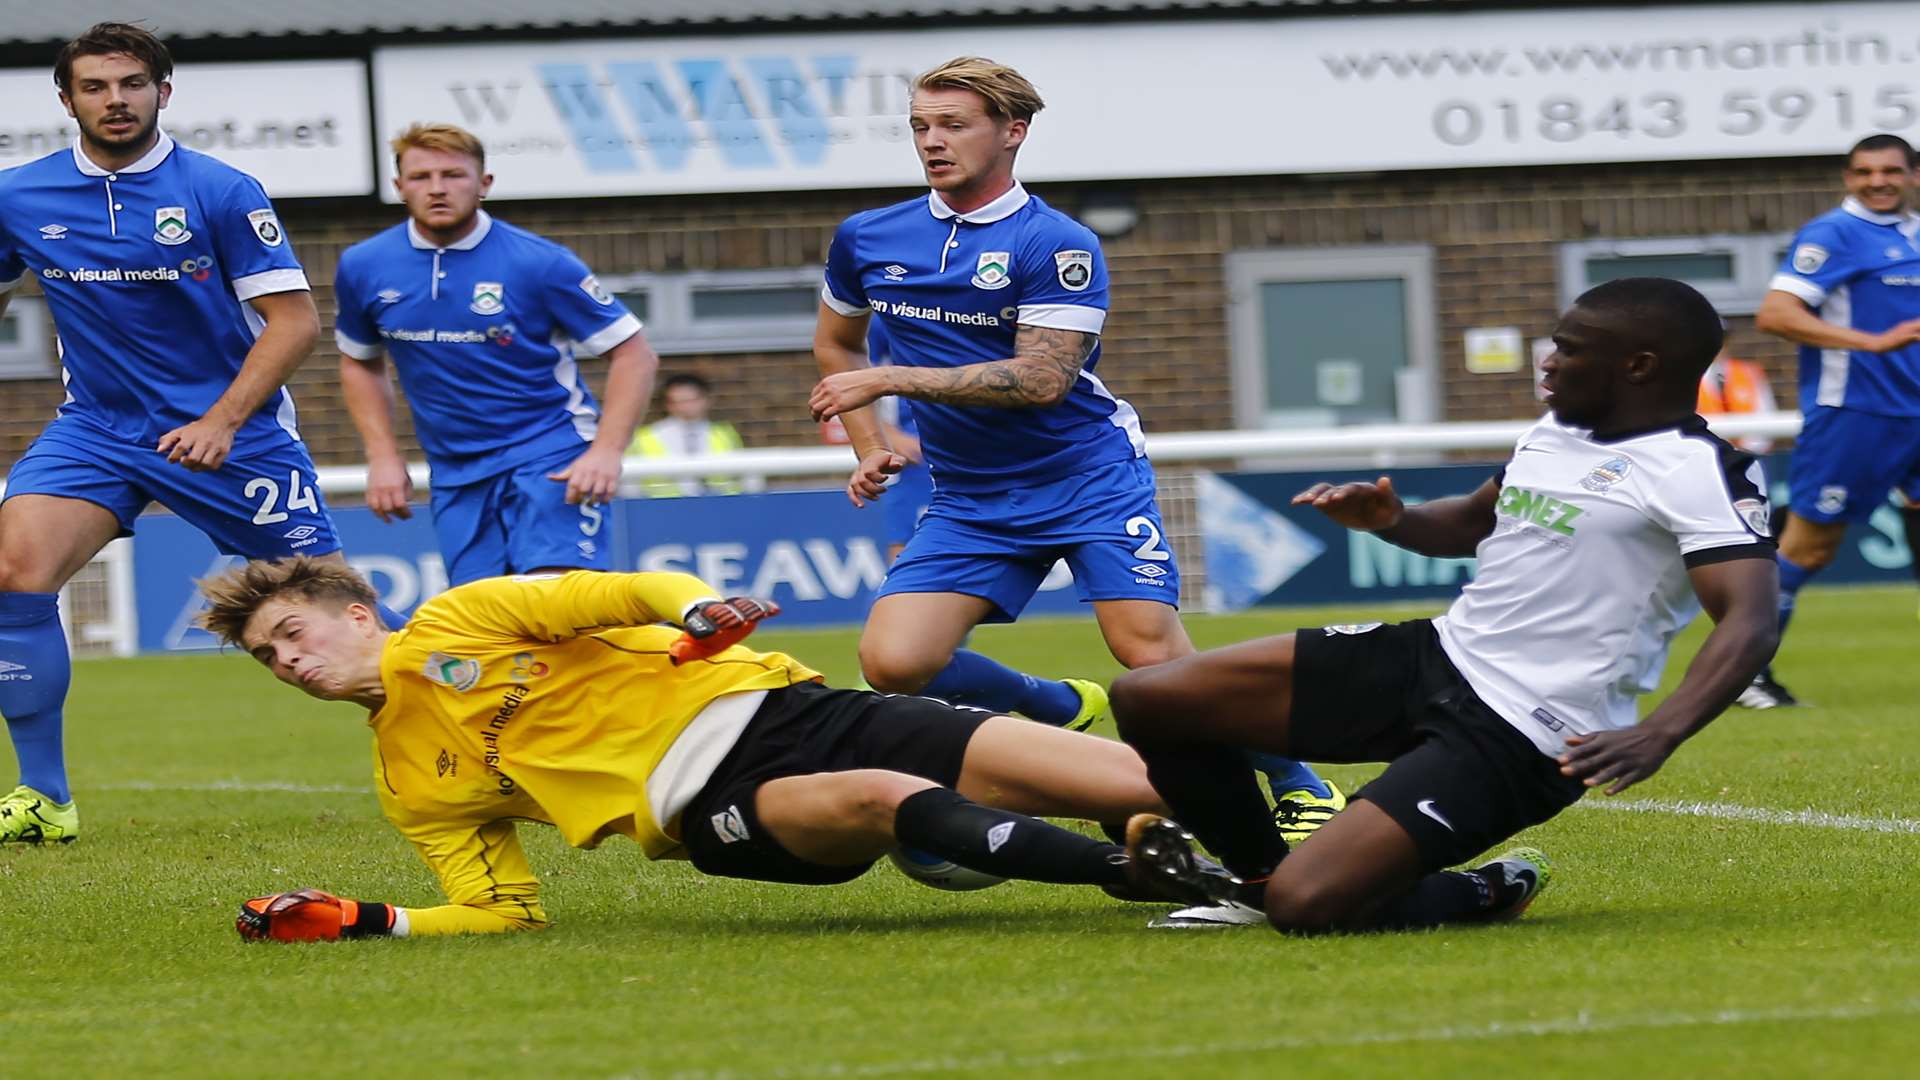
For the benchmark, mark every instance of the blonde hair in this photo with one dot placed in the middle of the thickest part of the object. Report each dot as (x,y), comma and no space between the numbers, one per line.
(233,597)
(1008,94)
(447,137)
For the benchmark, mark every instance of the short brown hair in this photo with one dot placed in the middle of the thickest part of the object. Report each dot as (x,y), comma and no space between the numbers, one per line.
(233,597)
(448,137)
(103,39)
(1008,94)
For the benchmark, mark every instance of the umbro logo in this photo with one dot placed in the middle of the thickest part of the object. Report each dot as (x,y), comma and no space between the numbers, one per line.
(895,272)
(52,232)
(300,532)
(388,296)
(12,672)
(998,835)
(1150,570)
(446,763)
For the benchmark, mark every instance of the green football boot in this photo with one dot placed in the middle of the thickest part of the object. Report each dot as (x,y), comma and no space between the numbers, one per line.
(28,817)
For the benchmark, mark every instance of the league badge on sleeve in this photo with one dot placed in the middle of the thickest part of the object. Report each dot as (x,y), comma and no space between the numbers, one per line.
(1075,269)
(592,287)
(266,226)
(1809,258)
(170,225)
(994,270)
(489,298)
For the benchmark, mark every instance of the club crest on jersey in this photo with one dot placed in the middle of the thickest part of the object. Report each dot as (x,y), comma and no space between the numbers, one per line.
(994,270)
(1754,513)
(1350,629)
(1075,269)
(1832,500)
(267,227)
(1606,474)
(170,225)
(489,298)
(452,671)
(1809,258)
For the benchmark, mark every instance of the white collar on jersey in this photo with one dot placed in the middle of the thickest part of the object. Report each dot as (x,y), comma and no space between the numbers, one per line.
(465,243)
(1853,206)
(1002,207)
(147,163)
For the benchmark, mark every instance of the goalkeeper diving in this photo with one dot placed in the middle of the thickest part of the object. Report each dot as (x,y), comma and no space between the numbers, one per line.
(561,699)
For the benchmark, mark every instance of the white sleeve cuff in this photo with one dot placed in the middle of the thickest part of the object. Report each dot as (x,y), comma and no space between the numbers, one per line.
(1087,320)
(359,350)
(851,311)
(268,282)
(1800,287)
(402,924)
(8,286)
(616,332)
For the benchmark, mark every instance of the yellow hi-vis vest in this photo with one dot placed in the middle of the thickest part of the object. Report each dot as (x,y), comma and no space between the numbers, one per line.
(721,439)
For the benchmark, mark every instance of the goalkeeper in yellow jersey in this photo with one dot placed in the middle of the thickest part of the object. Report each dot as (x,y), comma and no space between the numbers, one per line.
(561,699)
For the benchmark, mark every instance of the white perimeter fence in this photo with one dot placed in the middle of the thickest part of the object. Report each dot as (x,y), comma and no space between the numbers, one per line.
(98,605)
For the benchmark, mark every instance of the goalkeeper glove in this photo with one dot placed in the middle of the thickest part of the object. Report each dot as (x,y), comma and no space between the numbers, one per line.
(714,625)
(311,915)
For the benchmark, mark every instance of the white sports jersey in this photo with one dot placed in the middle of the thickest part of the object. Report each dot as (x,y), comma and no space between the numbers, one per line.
(1583,582)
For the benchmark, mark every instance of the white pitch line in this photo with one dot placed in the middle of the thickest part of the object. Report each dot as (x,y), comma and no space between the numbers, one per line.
(240,785)
(1759,815)
(1581,1023)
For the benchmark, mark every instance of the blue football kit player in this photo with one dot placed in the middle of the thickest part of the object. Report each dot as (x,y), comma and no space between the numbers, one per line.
(181,310)
(993,304)
(1849,293)
(911,491)
(485,322)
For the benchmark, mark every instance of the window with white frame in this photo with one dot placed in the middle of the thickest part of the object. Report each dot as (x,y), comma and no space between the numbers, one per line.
(719,311)
(26,348)
(1732,271)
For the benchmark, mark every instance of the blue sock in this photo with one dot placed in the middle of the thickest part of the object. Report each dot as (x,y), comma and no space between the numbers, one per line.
(33,688)
(1286,774)
(972,679)
(1791,578)
(393,619)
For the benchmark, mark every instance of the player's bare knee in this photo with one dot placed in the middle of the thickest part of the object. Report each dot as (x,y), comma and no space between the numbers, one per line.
(1302,907)
(895,671)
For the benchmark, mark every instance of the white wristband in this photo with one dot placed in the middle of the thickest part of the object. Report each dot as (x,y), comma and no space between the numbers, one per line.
(402,926)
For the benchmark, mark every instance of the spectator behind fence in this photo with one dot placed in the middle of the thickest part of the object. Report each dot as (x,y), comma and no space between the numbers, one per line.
(1733,385)
(688,432)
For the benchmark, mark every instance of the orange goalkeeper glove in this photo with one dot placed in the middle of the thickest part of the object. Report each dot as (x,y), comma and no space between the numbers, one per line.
(311,915)
(714,625)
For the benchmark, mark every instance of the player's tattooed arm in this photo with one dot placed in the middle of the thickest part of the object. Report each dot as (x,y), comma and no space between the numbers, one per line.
(1041,372)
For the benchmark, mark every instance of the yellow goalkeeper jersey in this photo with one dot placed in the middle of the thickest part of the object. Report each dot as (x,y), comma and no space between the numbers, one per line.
(546,698)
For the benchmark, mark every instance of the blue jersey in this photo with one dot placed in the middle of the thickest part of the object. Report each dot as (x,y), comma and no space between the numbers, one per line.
(1861,270)
(950,289)
(484,333)
(147,272)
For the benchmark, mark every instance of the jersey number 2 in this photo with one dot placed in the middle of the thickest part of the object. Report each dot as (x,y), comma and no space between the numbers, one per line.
(1150,548)
(300,496)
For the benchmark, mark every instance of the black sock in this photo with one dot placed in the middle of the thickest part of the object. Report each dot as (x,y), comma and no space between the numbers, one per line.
(1213,793)
(945,823)
(1448,896)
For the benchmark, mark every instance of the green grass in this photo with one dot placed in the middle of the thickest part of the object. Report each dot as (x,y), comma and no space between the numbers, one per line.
(1670,945)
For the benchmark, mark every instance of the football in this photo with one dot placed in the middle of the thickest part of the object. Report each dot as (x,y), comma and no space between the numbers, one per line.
(938,873)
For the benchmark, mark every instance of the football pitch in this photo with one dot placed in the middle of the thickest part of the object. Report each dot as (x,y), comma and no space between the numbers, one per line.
(1748,912)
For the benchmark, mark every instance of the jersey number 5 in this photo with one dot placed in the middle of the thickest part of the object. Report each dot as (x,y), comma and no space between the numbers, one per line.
(300,496)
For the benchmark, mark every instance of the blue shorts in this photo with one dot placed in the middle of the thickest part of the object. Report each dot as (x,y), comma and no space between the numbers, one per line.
(999,547)
(264,502)
(518,521)
(906,501)
(1845,462)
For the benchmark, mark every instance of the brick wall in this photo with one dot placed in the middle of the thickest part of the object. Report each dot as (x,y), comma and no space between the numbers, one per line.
(1494,234)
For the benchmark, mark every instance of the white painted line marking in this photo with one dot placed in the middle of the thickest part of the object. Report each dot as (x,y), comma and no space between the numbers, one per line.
(1581,1023)
(1756,814)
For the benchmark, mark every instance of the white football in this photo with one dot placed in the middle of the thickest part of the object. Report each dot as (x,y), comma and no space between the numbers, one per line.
(938,873)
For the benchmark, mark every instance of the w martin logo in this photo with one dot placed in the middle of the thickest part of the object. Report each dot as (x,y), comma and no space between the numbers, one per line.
(52,232)
(12,672)
(170,225)
(489,298)
(994,270)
